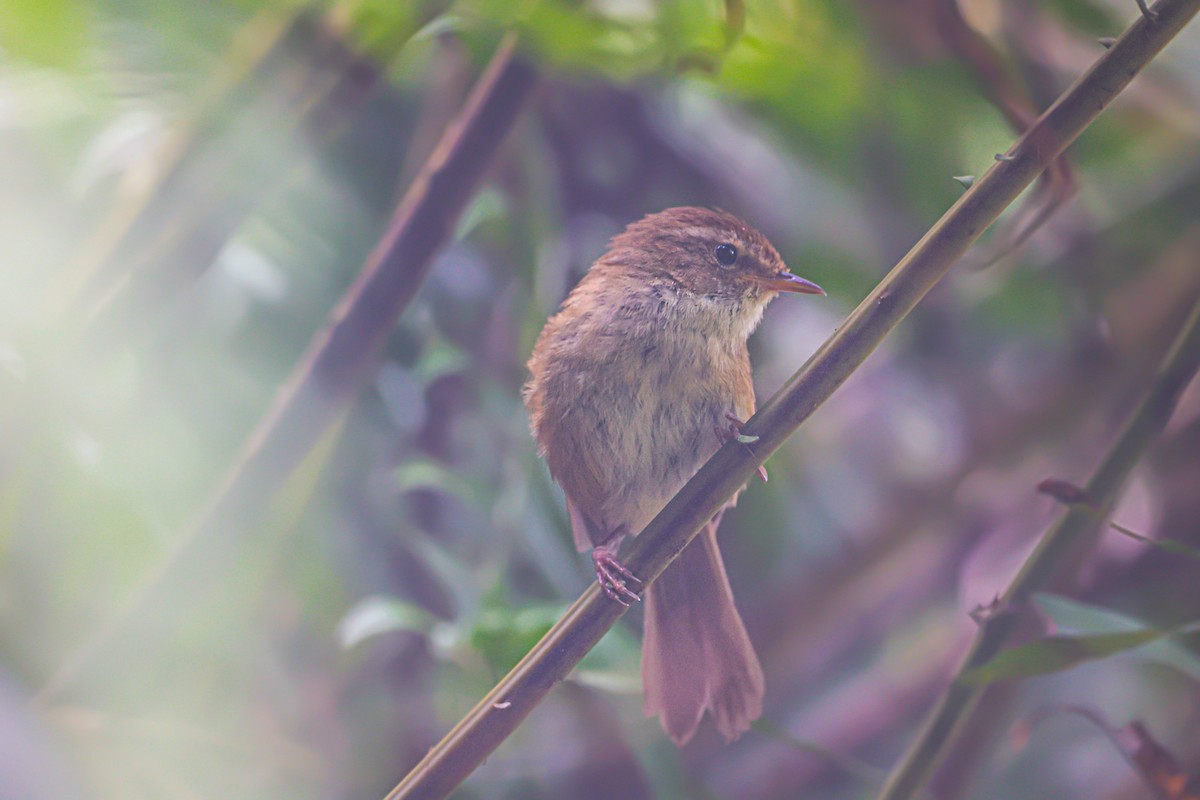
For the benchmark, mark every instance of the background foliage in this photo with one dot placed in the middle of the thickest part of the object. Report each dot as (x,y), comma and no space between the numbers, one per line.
(189,187)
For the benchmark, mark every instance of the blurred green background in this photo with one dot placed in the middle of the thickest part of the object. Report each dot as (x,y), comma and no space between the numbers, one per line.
(186,189)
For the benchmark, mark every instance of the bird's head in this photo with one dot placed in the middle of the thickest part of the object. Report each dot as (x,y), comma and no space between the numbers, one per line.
(708,253)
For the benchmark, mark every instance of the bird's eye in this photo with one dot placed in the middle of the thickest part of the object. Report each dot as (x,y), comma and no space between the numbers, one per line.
(726,254)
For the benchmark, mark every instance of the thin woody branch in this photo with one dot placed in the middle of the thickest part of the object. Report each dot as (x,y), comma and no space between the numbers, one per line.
(482,730)
(338,361)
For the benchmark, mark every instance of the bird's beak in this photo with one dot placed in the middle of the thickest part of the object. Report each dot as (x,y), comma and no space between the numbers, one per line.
(787,282)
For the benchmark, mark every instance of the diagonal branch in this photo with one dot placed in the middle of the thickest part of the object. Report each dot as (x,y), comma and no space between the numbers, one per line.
(1063,546)
(330,374)
(499,713)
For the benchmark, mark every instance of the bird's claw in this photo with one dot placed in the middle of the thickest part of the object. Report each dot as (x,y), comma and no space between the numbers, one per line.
(734,431)
(611,574)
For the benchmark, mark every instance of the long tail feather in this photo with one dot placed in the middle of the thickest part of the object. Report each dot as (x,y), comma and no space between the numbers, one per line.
(697,656)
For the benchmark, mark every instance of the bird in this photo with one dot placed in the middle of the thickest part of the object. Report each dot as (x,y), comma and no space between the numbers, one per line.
(637,380)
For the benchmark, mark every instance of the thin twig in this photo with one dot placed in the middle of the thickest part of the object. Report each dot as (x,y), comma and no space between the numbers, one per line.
(856,768)
(339,360)
(499,713)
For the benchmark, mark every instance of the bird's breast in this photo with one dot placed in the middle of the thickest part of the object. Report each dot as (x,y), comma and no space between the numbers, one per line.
(653,409)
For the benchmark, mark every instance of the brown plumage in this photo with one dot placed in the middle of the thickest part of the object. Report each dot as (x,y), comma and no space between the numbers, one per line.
(632,382)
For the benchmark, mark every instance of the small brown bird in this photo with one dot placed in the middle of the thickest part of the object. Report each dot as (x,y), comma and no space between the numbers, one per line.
(636,382)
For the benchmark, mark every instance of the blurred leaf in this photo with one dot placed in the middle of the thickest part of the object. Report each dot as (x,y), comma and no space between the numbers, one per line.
(456,577)
(296,499)
(502,636)
(1055,654)
(1088,16)
(487,205)
(735,21)
(1071,615)
(372,616)
(1168,545)
(440,358)
(445,23)
(611,681)
(428,475)
(806,70)
(48,32)
(379,27)
(1062,652)
(695,33)
(575,35)
(1027,303)
(1076,617)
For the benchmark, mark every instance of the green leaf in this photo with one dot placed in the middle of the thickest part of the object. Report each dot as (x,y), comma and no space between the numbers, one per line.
(379,27)
(624,682)
(488,205)
(1075,617)
(374,615)
(1072,616)
(48,32)
(439,25)
(1167,545)
(441,358)
(502,636)
(460,580)
(1055,654)
(424,474)
(1099,633)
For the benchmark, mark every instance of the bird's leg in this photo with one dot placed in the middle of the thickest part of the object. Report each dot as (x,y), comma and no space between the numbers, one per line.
(611,573)
(734,431)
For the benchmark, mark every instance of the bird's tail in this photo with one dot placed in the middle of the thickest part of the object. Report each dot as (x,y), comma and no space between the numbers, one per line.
(697,655)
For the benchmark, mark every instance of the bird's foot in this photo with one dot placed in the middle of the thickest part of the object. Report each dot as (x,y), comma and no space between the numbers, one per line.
(611,574)
(734,431)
